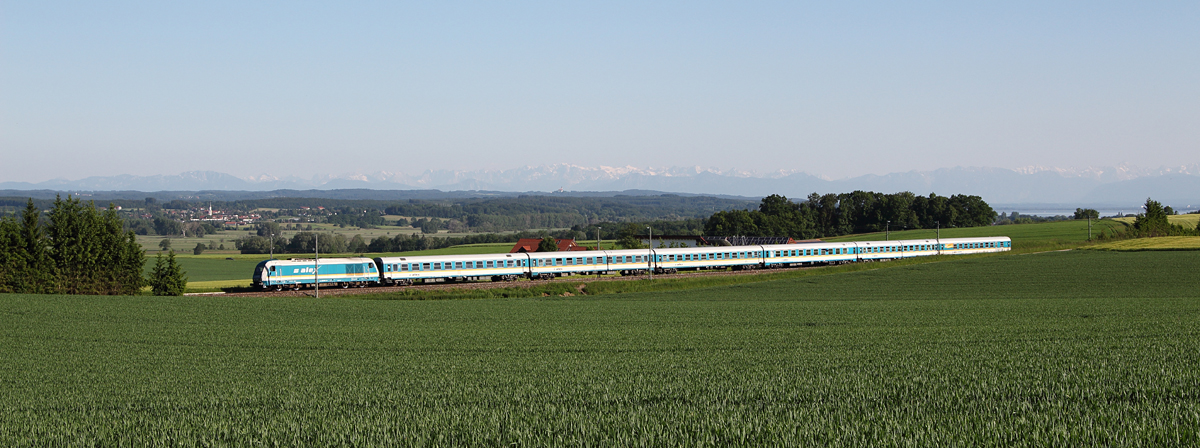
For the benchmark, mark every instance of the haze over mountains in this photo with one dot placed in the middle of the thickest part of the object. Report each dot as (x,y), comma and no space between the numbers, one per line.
(1120,185)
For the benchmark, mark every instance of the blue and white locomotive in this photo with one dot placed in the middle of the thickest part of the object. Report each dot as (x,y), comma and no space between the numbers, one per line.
(346,272)
(299,272)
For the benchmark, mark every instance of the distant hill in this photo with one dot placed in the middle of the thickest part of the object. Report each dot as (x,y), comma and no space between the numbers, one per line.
(1122,185)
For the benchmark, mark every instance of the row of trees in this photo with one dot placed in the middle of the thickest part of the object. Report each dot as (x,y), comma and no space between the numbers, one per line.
(857,212)
(1153,222)
(76,249)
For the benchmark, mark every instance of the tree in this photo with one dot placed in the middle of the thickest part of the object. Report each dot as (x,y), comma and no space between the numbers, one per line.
(165,244)
(1154,221)
(25,260)
(1085,213)
(92,254)
(199,249)
(548,244)
(357,245)
(167,278)
(627,237)
(267,228)
(167,226)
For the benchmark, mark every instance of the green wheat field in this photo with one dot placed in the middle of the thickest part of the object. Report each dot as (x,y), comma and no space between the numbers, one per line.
(1062,348)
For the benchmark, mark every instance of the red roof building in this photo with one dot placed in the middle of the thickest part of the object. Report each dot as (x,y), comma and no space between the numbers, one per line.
(531,245)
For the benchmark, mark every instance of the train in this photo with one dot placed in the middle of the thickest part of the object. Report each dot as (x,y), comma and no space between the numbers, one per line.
(409,270)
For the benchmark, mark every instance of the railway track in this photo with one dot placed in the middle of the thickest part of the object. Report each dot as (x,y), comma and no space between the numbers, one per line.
(335,291)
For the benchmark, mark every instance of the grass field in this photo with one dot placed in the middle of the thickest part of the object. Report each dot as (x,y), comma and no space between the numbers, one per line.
(1063,348)
(1026,237)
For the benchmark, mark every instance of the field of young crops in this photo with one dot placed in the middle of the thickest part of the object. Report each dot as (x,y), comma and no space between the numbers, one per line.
(1158,243)
(1063,348)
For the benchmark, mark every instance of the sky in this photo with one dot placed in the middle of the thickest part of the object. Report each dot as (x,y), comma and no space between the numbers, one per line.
(834,89)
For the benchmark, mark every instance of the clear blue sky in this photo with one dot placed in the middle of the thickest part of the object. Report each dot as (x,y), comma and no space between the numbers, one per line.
(829,88)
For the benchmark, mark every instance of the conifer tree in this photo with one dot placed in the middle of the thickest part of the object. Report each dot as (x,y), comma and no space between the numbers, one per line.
(167,278)
(38,274)
(10,262)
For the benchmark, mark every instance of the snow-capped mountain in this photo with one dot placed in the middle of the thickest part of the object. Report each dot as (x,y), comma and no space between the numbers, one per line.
(1123,184)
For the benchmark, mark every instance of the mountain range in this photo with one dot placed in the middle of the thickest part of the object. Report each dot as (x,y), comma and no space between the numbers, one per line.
(1122,185)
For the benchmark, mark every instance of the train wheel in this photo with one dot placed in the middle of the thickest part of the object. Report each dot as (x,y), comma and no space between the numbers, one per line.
(278,288)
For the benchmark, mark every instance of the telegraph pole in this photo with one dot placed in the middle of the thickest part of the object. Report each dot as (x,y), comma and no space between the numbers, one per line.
(887,231)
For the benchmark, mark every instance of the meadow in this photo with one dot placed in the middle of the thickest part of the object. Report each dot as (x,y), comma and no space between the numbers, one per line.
(1026,237)
(1061,348)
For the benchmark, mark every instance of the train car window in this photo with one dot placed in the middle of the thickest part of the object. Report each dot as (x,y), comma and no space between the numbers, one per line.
(424,266)
(272,268)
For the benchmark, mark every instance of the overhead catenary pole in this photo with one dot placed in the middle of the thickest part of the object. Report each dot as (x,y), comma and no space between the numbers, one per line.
(887,231)
(598,272)
(939,237)
(650,250)
(317,264)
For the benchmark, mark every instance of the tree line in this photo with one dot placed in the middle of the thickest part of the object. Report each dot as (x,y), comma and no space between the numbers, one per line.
(1152,222)
(74,249)
(857,212)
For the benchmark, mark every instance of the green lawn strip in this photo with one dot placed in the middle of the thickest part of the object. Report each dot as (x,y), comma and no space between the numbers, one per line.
(1065,348)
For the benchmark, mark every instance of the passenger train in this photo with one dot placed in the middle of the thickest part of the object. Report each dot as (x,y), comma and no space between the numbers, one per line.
(360,272)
